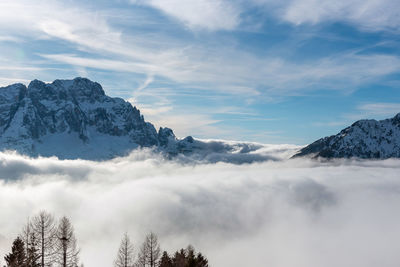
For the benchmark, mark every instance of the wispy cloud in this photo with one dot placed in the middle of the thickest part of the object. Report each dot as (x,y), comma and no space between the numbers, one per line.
(368,15)
(374,111)
(380,109)
(201,14)
(273,76)
(364,111)
(225,69)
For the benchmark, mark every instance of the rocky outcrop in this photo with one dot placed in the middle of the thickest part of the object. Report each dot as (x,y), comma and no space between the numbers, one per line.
(75,116)
(369,139)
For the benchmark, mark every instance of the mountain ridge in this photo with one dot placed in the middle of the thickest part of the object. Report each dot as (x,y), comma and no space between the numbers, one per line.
(73,119)
(369,139)
(75,110)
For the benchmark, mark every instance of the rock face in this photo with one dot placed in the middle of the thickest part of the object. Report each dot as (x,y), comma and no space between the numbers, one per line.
(73,119)
(364,139)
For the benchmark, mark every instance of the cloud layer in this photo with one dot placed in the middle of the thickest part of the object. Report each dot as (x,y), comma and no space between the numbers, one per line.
(276,213)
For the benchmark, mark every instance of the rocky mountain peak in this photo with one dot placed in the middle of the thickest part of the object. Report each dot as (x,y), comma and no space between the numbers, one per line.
(37,119)
(363,139)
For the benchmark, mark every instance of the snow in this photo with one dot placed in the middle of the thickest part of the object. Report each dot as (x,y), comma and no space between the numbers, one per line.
(75,119)
(363,139)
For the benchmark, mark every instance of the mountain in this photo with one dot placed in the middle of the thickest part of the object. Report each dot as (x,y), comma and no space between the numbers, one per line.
(75,119)
(369,139)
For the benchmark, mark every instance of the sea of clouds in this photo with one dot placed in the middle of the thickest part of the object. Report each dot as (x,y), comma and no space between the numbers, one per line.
(280,212)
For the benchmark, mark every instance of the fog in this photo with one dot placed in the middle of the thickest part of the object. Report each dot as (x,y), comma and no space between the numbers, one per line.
(297,212)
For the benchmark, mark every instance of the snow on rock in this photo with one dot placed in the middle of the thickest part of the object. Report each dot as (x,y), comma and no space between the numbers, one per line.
(364,139)
(76,119)
(70,119)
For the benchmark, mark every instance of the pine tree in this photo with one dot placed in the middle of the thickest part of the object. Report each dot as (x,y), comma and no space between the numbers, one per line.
(201,261)
(165,260)
(179,259)
(125,257)
(17,256)
(190,257)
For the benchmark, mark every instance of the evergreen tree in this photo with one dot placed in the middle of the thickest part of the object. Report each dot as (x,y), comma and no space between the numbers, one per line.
(179,259)
(201,261)
(17,256)
(165,260)
(188,258)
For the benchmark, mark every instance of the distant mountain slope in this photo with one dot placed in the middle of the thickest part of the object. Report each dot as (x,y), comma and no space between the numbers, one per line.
(364,139)
(75,119)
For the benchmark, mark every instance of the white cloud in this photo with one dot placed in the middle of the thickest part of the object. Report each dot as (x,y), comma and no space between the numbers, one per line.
(200,14)
(241,73)
(380,109)
(342,213)
(370,15)
(364,111)
(223,68)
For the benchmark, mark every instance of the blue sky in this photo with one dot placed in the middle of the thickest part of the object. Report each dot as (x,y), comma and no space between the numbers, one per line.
(287,71)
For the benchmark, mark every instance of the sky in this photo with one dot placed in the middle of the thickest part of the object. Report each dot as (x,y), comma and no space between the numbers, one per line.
(288,71)
(297,212)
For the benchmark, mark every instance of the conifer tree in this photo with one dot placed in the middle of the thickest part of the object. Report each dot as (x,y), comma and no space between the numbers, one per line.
(179,259)
(17,256)
(165,260)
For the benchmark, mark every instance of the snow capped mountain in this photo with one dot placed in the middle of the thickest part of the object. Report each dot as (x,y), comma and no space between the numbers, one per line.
(75,119)
(363,139)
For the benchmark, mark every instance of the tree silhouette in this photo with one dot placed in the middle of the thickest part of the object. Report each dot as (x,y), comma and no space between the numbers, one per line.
(149,254)
(32,255)
(125,257)
(44,228)
(66,251)
(165,260)
(31,246)
(187,258)
(17,256)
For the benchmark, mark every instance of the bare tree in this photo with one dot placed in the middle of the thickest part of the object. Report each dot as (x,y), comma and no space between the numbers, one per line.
(66,251)
(26,234)
(150,251)
(141,261)
(126,256)
(31,245)
(44,228)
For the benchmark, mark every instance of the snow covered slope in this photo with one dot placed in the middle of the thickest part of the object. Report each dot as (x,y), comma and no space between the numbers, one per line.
(363,139)
(75,119)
